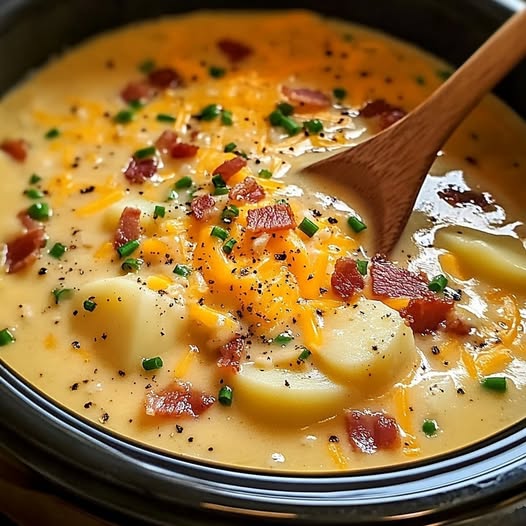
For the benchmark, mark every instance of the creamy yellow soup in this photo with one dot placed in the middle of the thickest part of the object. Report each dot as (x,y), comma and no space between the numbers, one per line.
(108,327)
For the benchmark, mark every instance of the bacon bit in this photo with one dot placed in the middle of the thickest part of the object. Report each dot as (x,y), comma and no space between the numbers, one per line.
(230,167)
(139,90)
(202,206)
(166,141)
(27,221)
(369,432)
(386,113)
(346,280)
(140,170)
(247,190)
(165,78)
(271,218)
(15,148)
(231,353)
(129,227)
(424,315)
(458,326)
(454,196)
(182,150)
(306,96)
(234,50)
(25,249)
(391,281)
(178,401)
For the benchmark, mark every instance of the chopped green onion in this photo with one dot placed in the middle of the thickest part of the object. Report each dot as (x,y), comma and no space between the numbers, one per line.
(53,133)
(275,118)
(136,105)
(150,364)
(182,270)
(219,232)
(216,72)
(6,337)
(290,126)
(229,245)
(158,211)
(265,174)
(33,193)
(34,179)
(221,190)
(230,147)
(124,116)
(147,66)
(184,182)
(131,264)
(172,195)
(494,383)
(58,250)
(285,108)
(144,153)
(304,355)
(283,338)
(129,248)
(164,117)
(438,283)
(227,118)
(229,213)
(361,265)
(430,427)
(218,181)
(62,294)
(313,126)
(339,93)
(225,395)
(356,224)
(308,227)
(89,305)
(210,112)
(39,211)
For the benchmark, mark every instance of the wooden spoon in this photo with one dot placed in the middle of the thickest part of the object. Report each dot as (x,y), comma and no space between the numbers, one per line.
(387,170)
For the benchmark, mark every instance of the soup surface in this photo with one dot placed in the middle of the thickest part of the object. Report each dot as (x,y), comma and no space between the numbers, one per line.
(169,275)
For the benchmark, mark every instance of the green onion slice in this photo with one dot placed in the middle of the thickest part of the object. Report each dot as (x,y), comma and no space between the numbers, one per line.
(35,179)
(430,427)
(131,264)
(230,147)
(216,72)
(158,211)
(145,153)
(356,224)
(62,294)
(304,355)
(164,117)
(227,118)
(495,383)
(361,265)
(221,190)
(225,395)
(275,118)
(182,270)
(184,182)
(285,108)
(129,248)
(229,245)
(229,213)
(53,133)
(150,364)
(313,126)
(136,105)
(339,93)
(124,116)
(210,112)
(438,283)
(283,338)
(89,305)
(33,193)
(265,174)
(147,66)
(219,232)
(39,211)
(290,126)
(308,227)
(6,337)
(58,250)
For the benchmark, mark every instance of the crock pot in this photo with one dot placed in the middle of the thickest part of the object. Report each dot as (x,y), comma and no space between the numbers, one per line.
(130,484)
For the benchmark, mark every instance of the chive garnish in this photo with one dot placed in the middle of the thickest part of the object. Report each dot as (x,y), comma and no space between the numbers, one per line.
(438,283)
(229,213)
(158,211)
(62,294)
(131,264)
(147,66)
(33,193)
(308,227)
(210,112)
(219,232)
(304,355)
(89,305)
(124,116)
(275,118)
(182,270)
(230,147)
(216,72)
(136,105)
(228,246)
(339,93)
(221,190)
(184,182)
(39,211)
(313,126)
(290,126)
(361,265)
(356,224)
(285,108)
(430,427)
(283,338)
(265,174)
(164,117)
(225,395)
(57,251)
(218,181)
(128,248)
(35,179)
(53,133)
(145,153)
(495,383)
(150,364)
(227,118)
(6,337)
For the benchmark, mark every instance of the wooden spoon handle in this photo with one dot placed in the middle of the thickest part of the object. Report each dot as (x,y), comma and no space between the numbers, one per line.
(448,105)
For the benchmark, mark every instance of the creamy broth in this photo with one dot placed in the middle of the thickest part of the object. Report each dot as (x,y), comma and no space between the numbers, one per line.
(289,407)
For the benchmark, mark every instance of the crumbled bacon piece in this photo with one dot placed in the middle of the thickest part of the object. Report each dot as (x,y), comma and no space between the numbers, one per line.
(454,196)
(202,206)
(177,401)
(183,150)
(166,141)
(230,167)
(234,50)
(129,227)
(386,113)
(165,78)
(424,315)
(306,96)
(231,353)
(391,281)
(247,190)
(140,170)
(24,250)
(271,218)
(369,432)
(15,148)
(138,90)
(346,280)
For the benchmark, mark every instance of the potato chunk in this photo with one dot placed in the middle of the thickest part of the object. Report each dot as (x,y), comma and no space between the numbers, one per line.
(130,322)
(366,346)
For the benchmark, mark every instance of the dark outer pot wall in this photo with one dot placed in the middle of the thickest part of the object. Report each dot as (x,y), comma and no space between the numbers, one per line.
(118,478)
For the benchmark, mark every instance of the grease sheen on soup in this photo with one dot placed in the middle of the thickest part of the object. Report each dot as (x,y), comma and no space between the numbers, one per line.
(325,372)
